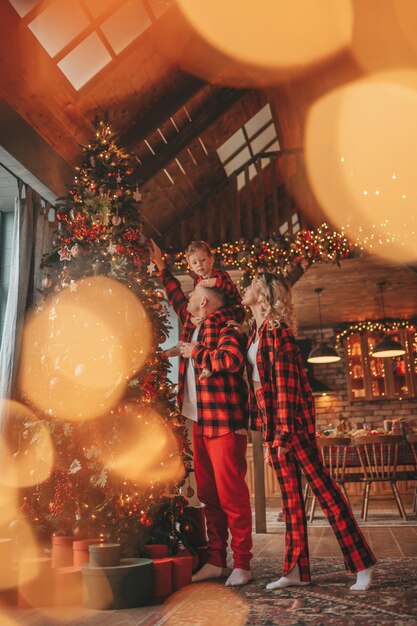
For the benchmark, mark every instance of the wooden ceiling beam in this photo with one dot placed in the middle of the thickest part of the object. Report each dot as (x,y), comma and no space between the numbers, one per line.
(147,124)
(32,151)
(221,101)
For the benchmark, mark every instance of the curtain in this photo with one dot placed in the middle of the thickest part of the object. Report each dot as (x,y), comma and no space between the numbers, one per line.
(20,293)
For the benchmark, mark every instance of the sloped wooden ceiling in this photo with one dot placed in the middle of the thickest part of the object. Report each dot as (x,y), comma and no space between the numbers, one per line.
(148,99)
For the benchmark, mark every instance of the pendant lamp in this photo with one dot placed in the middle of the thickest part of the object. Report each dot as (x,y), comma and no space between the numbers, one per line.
(323,353)
(387,347)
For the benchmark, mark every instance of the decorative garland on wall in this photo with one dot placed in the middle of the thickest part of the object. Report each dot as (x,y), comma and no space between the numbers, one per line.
(380,326)
(279,254)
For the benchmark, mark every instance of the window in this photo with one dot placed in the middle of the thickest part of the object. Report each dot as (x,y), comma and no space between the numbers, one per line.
(6,231)
(83,36)
(171,341)
(256,136)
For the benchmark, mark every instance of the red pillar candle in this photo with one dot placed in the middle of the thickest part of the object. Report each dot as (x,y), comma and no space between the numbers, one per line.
(80,548)
(161,579)
(157,550)
(67,586)
(181,571)
(62,555)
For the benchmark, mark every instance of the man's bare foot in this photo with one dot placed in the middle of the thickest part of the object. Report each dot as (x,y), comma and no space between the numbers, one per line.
(239,577)
(210,571)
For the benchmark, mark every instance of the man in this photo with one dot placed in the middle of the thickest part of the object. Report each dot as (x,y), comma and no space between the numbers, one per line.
(218,407)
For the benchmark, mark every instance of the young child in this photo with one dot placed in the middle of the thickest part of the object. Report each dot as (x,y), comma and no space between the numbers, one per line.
(200,260)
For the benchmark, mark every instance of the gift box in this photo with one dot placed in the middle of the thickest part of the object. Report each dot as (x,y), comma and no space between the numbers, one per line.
(127,585)
(67,586)
(161,579)
(182,570)
(62,553)
(35,583)
(80,550)
(104,554)
(157,550)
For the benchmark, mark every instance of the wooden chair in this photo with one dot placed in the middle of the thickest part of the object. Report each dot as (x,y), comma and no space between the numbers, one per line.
(334,451)
(378,456)
(412,439)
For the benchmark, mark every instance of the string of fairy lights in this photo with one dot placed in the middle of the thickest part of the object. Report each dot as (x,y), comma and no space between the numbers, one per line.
(280,254)
(375,326)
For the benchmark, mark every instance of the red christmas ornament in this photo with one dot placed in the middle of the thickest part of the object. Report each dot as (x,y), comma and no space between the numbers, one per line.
(146,521)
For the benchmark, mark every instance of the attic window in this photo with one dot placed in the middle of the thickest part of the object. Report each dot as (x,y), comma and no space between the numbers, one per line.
(256,136)
(83,36)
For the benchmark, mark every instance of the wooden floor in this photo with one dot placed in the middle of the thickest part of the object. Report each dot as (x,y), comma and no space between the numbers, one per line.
(395,541)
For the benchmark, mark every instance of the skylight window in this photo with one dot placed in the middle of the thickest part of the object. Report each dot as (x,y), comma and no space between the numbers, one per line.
(83,36)
(256,136)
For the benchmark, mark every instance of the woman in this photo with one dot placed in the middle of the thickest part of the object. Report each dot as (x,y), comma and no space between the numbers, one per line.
(283,407)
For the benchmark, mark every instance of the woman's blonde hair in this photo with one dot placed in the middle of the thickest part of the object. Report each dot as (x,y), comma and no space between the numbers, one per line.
(275,299)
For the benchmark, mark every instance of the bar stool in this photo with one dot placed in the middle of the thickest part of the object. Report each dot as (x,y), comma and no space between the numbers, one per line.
(412,439)
(334,451)
(378,456)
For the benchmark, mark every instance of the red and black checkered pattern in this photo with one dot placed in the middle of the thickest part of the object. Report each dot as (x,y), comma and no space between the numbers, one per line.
(304,456)
(226,284)
(288,405)
(222,399)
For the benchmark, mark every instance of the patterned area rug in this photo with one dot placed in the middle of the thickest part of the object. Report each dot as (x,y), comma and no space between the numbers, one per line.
(327,602)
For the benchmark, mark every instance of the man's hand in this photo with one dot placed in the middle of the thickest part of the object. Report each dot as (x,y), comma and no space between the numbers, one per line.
(155,254)
(205,374)
(207,282)
(186,348)
(281,452)
(267,456)
(171,352)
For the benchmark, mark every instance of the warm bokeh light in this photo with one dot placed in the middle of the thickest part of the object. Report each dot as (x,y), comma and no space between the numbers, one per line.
(7,620)
(27,554)
(80,350)
(32,462)
(361,150)
(151,455)
(254,43)
(384,34)
(208,601)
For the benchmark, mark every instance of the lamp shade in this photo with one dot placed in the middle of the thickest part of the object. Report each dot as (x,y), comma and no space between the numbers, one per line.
(323,353)
(387,348)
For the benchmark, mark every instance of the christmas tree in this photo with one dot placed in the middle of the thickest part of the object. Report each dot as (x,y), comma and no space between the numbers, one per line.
(100,254)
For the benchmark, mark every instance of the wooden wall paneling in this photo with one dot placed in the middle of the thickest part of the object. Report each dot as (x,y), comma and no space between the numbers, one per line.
(246,193)
(235,208)
(262,199)
(275,217)
(198,225)
(32,151)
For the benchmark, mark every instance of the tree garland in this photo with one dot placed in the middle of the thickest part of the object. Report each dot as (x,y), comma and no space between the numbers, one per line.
(280,254)
(379,326)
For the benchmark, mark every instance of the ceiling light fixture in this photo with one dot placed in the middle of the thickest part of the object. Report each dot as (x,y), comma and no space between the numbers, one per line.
(386,348)
(323,353)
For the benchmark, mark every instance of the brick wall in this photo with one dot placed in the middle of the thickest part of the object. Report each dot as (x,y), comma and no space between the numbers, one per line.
(330,408)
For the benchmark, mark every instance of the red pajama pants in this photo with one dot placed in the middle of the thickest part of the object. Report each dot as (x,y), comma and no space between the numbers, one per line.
(304,456)
(220,469)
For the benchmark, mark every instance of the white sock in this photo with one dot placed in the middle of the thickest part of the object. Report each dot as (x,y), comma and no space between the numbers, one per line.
(292,579)
(238,577)
(363,579)
(210,571)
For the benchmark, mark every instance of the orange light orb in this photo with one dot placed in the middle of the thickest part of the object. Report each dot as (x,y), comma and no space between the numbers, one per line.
(80,351)
(254,43)
(361,150)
